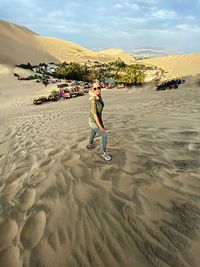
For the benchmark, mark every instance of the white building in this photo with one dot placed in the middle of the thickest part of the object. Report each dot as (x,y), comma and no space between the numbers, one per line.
(151,75)
(51,68)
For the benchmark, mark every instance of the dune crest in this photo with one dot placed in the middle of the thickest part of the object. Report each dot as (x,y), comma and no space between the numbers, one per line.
(178,65)
(20,45)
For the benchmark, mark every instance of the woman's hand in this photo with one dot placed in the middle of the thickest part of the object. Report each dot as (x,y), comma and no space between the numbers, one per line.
(103,130)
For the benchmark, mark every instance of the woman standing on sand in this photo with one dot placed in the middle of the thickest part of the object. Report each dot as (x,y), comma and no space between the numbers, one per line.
(95,120)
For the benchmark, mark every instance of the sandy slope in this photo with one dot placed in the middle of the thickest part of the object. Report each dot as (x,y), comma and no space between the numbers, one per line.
(68,51)
(119,53)
(61,205)
(20,45)
(180,65)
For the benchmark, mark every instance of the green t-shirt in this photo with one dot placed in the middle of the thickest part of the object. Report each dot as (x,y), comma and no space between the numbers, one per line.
(96,107)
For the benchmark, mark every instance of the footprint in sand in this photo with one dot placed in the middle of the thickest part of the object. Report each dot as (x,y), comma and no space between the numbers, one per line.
(45,163)
(54,152)
(28,199)
(11,257)
(33,230)
(8,231)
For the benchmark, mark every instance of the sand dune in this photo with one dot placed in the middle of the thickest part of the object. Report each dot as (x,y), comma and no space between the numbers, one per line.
(119,53)
(68,51)
(20,45)
(180,65)
(61,205)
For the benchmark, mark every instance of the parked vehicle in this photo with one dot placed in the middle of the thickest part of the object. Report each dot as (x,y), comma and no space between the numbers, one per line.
(170,84)
(62,85)
(45,82)
(120,85)
(22,79)
(64,93)
(86,90)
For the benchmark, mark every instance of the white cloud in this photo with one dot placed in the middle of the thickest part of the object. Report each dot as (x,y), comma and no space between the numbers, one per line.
(132,6)
(93,28)
(126,5)
(146,2)
(126,34)
(187,27)
(55,15)
(149,2)
(163,13)
(190,17)
(134,20)
(64,29)
(101,9)
(20,2)
(118,5)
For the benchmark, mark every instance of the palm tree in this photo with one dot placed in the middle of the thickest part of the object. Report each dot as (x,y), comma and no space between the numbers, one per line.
(133,74)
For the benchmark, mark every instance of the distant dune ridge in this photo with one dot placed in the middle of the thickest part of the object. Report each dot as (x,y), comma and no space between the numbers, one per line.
(150,52)
(119,53)
(19,45)
(178,65)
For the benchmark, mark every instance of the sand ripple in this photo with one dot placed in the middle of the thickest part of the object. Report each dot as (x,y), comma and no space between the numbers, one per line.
(61,205)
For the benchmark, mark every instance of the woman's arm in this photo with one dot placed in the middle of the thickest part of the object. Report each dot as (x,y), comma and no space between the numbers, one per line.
(94,111)
(99,124)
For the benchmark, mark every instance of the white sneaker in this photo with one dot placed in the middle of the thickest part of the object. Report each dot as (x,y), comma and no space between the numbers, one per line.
(106,156)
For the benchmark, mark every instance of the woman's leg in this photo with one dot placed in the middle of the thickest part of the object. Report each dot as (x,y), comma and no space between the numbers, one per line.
(104,139)
(92,136)
(96,130)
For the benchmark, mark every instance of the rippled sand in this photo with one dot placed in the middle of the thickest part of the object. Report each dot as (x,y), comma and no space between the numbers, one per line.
(62,205)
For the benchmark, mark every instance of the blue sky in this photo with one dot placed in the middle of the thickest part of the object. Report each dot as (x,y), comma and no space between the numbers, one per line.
(172,25)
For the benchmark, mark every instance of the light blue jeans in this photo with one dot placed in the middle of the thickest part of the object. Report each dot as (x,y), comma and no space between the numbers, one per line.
(96,130)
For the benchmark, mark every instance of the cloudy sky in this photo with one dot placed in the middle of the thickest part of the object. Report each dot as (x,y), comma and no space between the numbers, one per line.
(172,25)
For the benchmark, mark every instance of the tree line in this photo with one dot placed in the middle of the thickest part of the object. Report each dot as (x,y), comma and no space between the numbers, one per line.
(119,70)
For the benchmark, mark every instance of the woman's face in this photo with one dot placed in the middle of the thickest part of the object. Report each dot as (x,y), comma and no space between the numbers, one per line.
(97,90)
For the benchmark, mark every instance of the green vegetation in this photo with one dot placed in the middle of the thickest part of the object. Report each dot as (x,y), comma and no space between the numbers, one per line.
(56,95)
(118,70)
(40,100)
(132,74)
(120,64)
(87,72)
(71,71)
(35,77)
(54,92)
(26,66)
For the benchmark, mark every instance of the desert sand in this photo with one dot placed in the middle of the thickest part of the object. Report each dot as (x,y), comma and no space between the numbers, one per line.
(119,53)
(63,206)
(178,65)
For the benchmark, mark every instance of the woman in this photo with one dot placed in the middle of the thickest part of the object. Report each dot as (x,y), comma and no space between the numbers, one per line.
(95,120)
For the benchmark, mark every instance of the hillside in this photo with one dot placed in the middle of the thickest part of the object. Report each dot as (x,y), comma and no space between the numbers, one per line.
(117,52)
(18,45)
(179,65)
